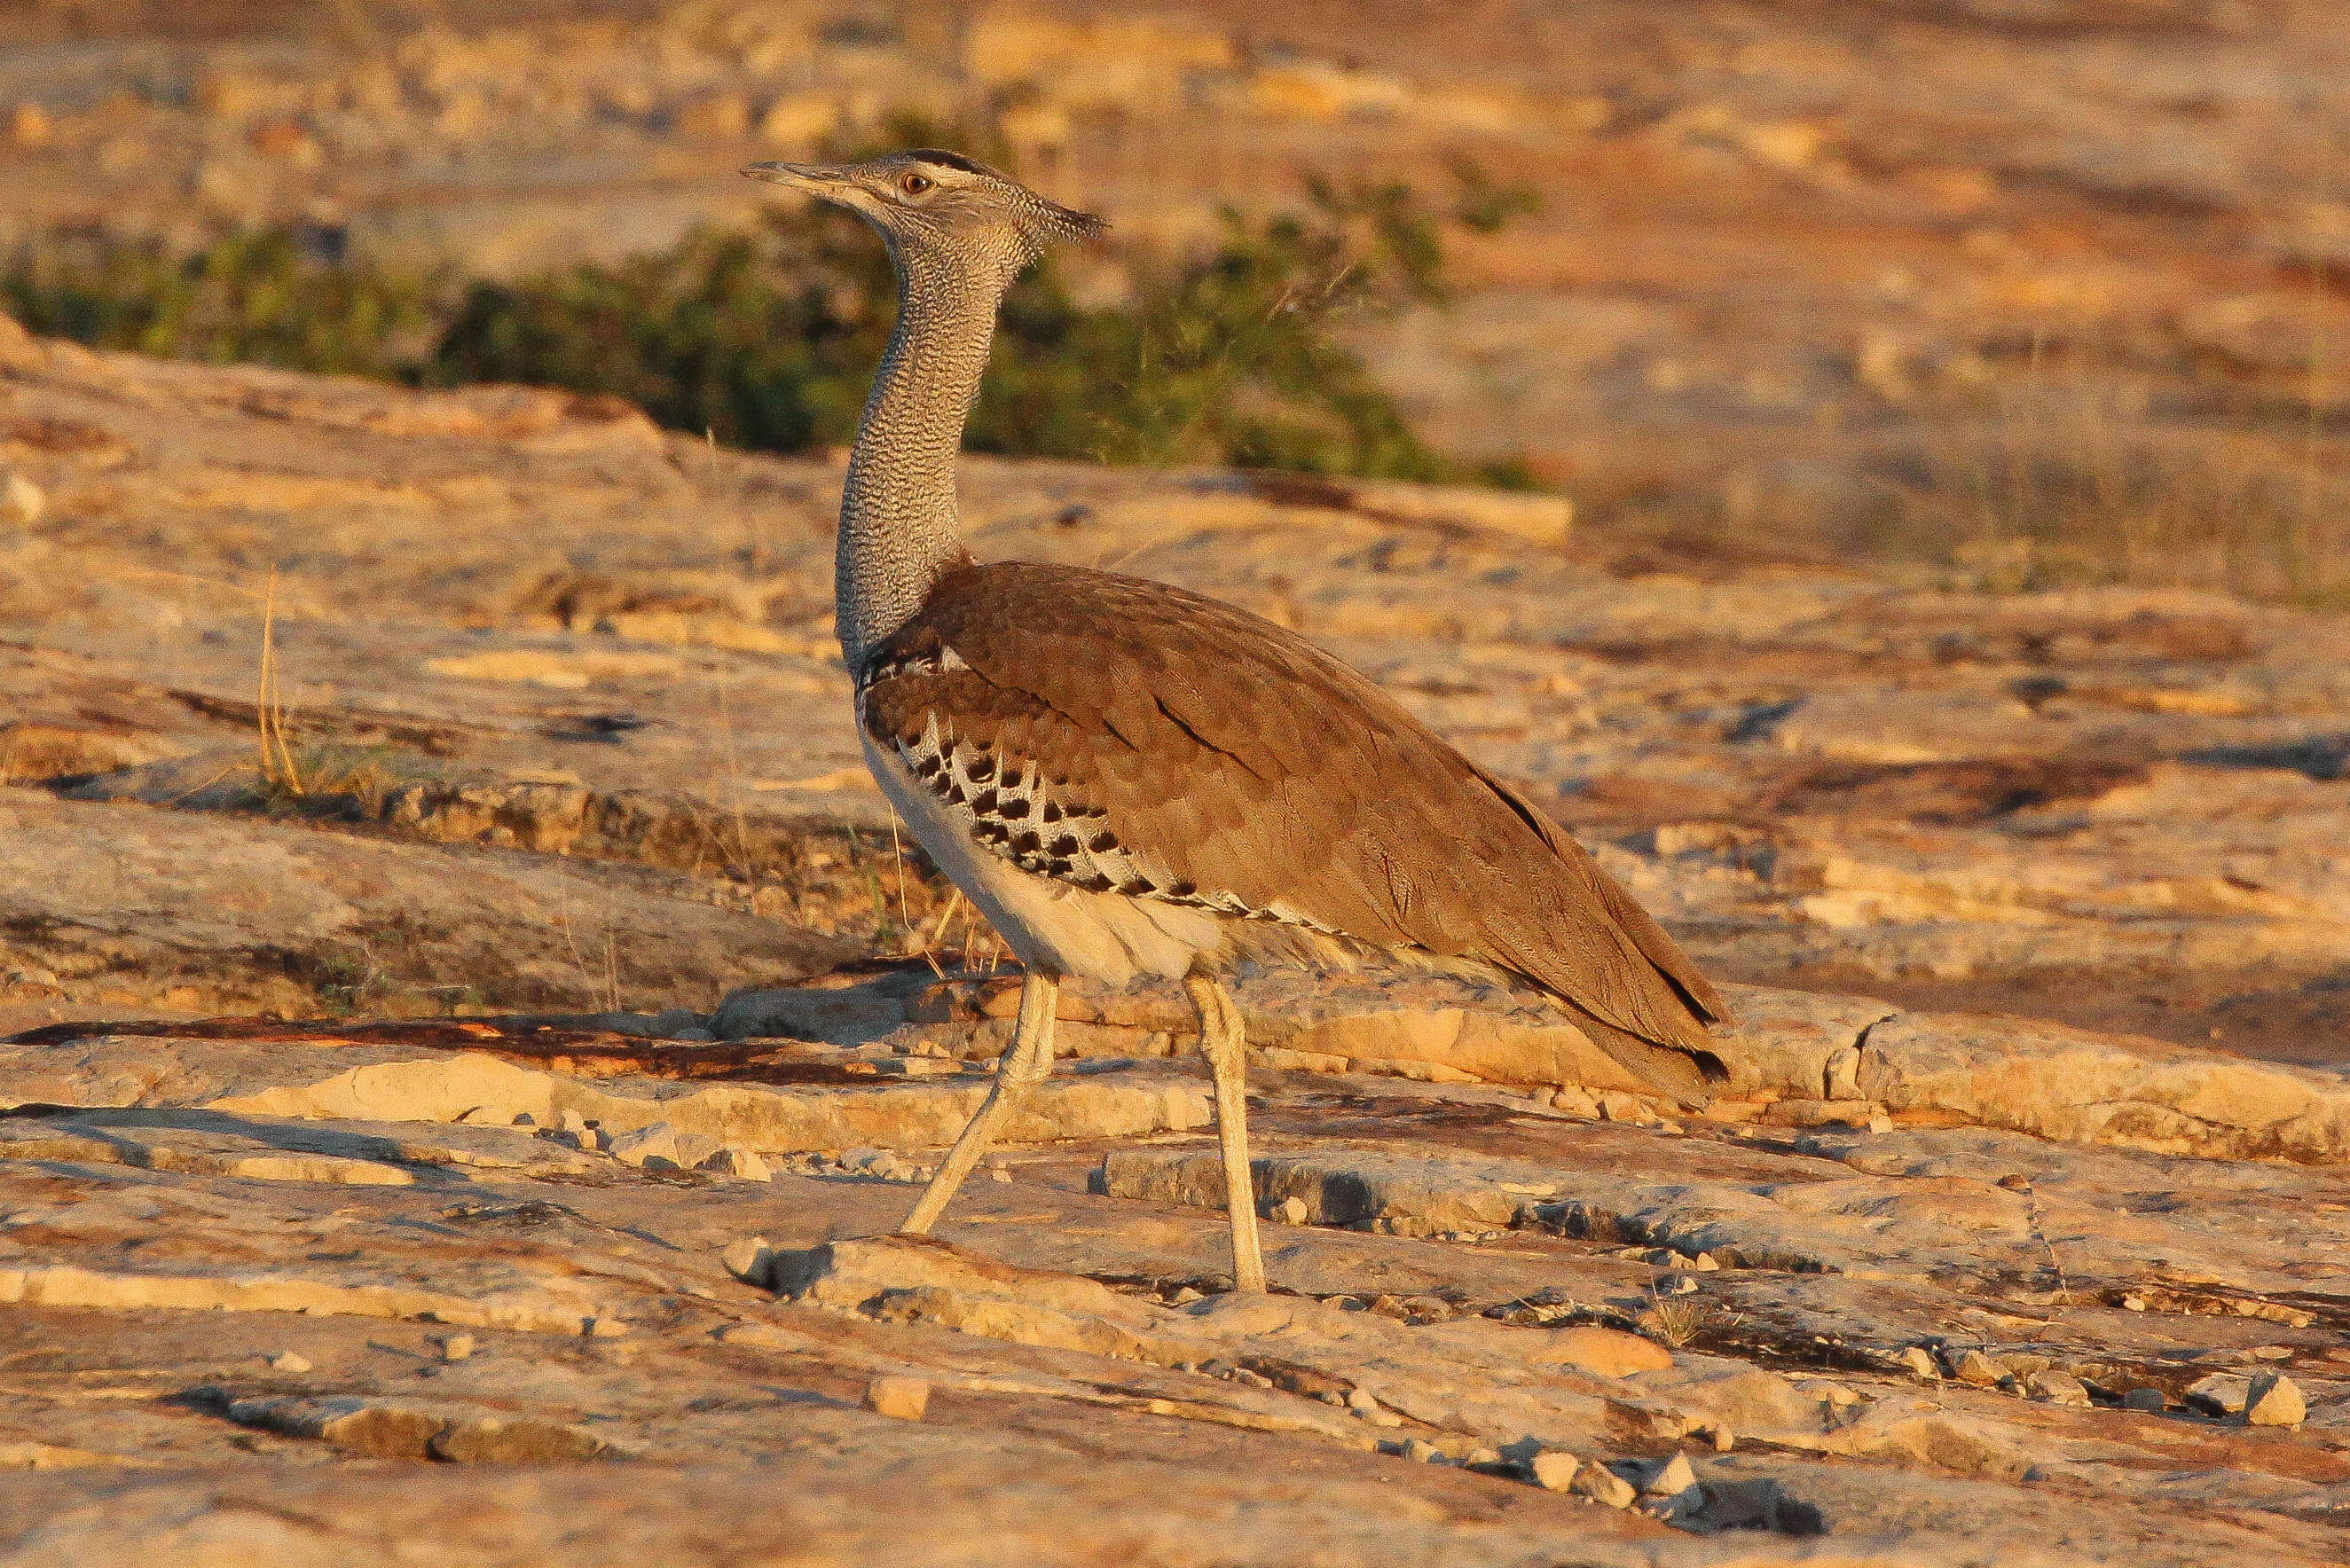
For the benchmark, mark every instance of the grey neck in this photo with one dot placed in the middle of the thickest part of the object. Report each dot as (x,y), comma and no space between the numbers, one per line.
(898,529)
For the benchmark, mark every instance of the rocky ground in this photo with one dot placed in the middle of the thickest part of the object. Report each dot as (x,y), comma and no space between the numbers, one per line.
(467,1010)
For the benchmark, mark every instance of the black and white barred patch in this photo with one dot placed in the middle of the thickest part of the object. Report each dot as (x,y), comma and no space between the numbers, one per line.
(1005,804)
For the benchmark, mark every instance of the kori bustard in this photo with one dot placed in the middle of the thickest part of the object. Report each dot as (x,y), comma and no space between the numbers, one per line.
(1129,780)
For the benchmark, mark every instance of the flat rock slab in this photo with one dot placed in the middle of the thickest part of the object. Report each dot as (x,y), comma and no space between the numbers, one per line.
(2059,1083)
(204,912)
(385,1082)
(1914,1207)
(2069,1084)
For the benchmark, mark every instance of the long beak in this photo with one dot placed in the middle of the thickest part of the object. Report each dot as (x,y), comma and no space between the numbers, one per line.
(813,177)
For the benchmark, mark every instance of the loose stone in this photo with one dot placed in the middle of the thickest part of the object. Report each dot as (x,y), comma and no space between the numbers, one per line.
(1672,1478)
(749,1260)
(1601,1484)
(743,1163)
(1553,1471)
(1575,1101)
(901,1398)
(2274,1401)
(2056,1388)
(2219,1394)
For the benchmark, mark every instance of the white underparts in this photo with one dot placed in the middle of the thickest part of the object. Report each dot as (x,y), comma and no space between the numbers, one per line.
(1051,925)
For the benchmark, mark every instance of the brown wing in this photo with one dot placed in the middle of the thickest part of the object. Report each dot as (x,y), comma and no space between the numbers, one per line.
(1124,734)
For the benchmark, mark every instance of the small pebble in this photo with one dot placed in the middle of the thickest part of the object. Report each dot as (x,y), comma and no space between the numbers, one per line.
(26,499)
(1420,1451)
(998,1173)
(903,1398)
(743,1163)
(1672,1479)
(654,1146)
(2144,1400)
(457,1347)
(2056,1388)
(749,1260)
(1554,1471)
(1289,1211)
(1603,1485)
(2274,1401)
(289,1361)
(1919,1362)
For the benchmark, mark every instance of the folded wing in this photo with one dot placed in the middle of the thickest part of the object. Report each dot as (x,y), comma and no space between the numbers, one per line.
(1126,735)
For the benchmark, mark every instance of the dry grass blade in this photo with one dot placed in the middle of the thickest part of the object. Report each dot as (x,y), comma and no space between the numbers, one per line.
(898,852)
(935,938)
(278,769)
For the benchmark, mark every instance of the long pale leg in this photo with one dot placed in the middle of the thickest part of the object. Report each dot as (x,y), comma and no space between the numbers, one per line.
(1027,1061)
(1221,1041)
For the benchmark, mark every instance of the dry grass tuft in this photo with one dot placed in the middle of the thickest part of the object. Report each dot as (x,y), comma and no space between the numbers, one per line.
(2075,475)
(1677,1320)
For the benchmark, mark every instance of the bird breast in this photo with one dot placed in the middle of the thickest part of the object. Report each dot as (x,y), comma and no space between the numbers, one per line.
(1052,922)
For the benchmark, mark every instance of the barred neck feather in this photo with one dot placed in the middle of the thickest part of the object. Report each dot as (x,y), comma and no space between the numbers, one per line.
(898,521)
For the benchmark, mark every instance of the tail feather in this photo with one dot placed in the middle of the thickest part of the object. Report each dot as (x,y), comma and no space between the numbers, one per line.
(1674,1050)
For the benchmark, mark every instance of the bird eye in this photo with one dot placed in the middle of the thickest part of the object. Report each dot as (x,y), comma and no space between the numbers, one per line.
(914,185)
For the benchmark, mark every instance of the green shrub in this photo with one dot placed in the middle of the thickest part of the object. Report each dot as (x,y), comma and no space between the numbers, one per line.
(252,297)
(767,339)
(1229,357)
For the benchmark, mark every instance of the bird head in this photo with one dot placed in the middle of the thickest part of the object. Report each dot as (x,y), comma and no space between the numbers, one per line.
(934,206)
